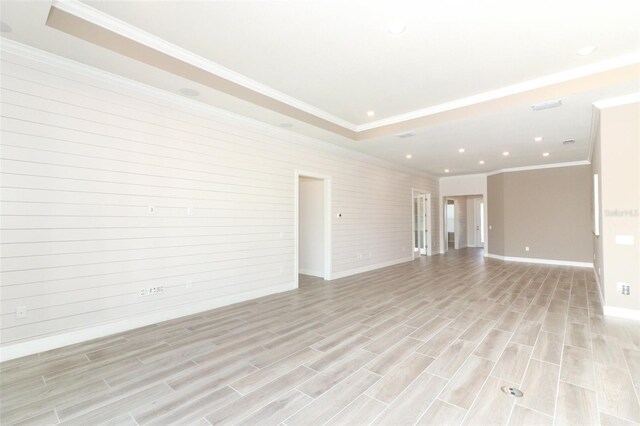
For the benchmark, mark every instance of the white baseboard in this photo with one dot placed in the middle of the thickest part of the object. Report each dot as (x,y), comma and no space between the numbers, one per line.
(311,272)
(542,261)
(82,335)
(368,268)
(632,314)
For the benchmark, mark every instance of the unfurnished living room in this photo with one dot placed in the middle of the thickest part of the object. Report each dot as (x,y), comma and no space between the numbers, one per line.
(350,212)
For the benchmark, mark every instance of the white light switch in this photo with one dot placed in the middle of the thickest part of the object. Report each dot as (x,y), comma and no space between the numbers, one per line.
(624,240)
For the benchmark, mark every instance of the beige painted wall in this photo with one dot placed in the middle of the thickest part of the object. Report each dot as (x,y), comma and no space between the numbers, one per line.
(547,210)
(619,166)
(495,214)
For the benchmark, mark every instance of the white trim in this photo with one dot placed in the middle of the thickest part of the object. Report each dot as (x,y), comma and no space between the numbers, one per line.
(327,222)
(618,101)
(525,86)
(97,17)
(368,268)
(541,261)
(611,311)
(541,166)
(30,347)
(600,291)
(310,273)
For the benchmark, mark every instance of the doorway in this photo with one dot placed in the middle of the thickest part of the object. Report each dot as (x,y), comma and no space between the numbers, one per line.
(312,226)
(478,214)
(450,229)
(421,223)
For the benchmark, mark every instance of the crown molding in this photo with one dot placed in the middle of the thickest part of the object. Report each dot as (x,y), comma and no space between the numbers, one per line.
(618,101)
(541,166)
(97,17)
(513,89)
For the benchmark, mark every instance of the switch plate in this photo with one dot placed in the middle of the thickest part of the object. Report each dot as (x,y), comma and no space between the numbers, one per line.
(526,248)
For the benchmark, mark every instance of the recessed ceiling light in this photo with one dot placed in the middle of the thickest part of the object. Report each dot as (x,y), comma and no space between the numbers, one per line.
(286,125)
(505,153)
(538,138)
(371,113)
(409,156)
(446,170)
(587,50)
(545,154)
(5,28)
(461,150)
(189,92)
(481,162)
(396,27)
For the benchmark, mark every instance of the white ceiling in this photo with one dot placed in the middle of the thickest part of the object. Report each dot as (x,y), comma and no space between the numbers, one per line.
(337,56)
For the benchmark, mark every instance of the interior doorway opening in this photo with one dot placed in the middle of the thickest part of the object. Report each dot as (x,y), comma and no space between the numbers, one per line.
(313,226)
(452,242)
(421,223)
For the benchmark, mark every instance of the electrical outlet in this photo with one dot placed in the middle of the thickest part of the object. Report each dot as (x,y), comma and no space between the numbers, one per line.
(623,288)
(152,210)
(189,284)
(143,292)
(21,312)
(189,211)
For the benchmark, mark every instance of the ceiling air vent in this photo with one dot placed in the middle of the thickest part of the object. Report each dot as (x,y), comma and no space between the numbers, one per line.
(569,142)
(406,134)
(547,105)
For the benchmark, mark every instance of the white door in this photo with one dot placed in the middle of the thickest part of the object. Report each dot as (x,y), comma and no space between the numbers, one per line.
(478,207)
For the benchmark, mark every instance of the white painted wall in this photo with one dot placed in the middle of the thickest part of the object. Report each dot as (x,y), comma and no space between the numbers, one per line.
(464,186)
(311,227)
(86,154)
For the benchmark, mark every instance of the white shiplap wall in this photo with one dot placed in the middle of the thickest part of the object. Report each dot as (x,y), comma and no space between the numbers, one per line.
(84,158)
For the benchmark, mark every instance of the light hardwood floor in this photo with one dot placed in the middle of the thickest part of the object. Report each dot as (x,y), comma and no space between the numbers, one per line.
(427,342)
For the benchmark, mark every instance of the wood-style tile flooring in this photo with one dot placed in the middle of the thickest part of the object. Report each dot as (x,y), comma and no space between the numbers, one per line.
(427,342)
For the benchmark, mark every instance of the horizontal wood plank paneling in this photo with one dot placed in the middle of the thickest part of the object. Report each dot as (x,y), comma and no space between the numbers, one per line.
(84,159)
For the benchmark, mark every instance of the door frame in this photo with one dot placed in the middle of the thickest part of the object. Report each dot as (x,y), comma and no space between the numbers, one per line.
(327,222)
(427,209)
